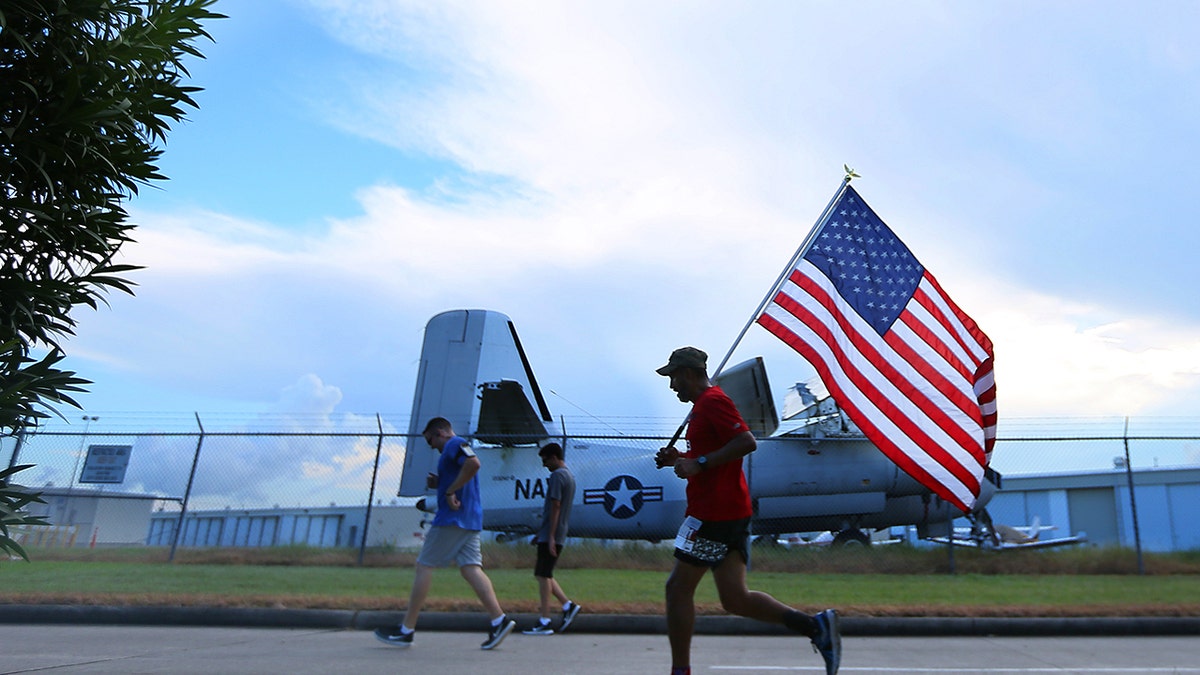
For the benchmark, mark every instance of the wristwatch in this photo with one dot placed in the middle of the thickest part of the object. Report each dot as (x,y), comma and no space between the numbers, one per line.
(702,460)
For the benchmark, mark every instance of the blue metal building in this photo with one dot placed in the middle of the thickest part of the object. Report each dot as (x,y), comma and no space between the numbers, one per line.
(1099,504)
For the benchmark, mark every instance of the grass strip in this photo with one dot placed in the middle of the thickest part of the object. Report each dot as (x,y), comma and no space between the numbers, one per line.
(601,590)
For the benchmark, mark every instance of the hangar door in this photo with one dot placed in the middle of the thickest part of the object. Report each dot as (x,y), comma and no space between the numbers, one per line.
(1094,511)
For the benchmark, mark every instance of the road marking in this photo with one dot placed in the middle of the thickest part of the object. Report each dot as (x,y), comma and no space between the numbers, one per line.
(892,669)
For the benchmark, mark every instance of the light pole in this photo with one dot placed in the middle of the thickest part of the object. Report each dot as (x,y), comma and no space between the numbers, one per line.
(87,422)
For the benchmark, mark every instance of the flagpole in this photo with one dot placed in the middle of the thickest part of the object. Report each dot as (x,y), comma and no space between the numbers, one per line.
(800,253)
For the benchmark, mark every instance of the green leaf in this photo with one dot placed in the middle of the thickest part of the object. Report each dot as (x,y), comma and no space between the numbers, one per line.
(89,90)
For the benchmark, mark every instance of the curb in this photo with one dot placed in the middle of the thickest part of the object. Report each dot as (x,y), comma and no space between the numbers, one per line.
(253,617)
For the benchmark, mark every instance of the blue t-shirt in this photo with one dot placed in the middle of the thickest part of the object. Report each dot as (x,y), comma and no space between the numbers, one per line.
(470,515)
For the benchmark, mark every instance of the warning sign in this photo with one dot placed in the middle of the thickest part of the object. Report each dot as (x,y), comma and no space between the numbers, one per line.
(105,464)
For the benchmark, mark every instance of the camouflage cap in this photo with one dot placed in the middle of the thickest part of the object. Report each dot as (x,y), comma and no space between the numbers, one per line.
(684,357)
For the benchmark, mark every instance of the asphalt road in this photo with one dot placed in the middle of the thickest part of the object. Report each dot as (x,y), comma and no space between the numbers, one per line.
(180,650)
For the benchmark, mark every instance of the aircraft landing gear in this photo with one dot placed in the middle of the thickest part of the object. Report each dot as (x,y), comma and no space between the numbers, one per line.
(851,538)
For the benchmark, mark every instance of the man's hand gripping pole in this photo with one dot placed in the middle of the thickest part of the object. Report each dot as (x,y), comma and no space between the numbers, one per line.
(669,455)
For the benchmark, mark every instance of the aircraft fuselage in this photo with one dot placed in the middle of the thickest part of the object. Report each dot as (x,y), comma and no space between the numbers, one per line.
(796,485)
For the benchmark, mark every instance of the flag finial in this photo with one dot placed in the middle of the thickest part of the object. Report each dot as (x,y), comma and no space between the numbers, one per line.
(850,173)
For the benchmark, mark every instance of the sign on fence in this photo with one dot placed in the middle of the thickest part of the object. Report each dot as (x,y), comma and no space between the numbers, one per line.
(105,464)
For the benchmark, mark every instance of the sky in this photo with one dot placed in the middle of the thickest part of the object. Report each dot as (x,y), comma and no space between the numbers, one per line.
(624,178)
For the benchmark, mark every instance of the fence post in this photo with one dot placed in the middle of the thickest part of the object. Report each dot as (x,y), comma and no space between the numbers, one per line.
(187,494)
(950,549)
(1137,535)
(362,546)
(12,460)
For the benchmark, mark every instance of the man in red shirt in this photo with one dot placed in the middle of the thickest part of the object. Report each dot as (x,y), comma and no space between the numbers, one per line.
(716,531)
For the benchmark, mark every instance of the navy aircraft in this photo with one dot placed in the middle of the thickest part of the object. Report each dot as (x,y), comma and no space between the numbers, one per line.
(817,474)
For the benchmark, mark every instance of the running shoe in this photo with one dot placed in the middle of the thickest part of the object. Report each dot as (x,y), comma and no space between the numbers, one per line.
(539,629)
(497,634)
(393,637)
(828,640)
(569,615)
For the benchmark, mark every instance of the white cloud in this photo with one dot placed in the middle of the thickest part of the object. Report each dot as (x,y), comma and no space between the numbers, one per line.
(309,395)
(630,177)
(1056,357)
(204,243)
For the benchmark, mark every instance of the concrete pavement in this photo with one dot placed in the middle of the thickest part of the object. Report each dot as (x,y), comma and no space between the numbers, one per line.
(71,649)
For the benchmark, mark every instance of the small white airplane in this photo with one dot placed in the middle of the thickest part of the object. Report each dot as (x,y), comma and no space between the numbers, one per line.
(987,535)
(819,474)
(820,539)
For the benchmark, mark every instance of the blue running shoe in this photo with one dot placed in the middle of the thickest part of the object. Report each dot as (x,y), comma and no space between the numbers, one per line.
(828,640)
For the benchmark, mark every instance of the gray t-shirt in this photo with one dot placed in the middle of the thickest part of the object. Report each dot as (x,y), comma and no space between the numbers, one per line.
(560,486)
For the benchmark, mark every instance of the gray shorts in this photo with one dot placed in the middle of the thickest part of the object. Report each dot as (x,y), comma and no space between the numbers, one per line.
(446,543)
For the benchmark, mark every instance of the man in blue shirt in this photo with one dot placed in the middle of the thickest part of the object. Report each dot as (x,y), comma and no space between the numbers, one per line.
(453,536)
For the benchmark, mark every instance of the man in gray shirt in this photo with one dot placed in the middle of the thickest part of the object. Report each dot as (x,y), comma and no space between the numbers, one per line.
(556,518)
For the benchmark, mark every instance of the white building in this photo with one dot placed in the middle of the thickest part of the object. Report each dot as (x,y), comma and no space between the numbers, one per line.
(91,517)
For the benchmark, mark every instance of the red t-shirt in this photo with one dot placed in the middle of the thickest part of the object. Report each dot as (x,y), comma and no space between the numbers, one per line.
(718,492)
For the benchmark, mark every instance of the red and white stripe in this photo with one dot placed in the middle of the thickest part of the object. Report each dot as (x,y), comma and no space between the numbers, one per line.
(923,392)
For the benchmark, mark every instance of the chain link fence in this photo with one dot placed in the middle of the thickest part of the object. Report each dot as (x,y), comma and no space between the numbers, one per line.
(314,482)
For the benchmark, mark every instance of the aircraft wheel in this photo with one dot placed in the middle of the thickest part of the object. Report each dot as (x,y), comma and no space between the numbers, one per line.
(851,539)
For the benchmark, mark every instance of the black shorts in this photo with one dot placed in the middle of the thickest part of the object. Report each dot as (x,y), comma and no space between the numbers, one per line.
(544,567)
(713,541)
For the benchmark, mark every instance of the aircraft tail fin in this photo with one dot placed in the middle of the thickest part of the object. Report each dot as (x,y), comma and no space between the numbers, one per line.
(473,372)
(506,417)
(746,385)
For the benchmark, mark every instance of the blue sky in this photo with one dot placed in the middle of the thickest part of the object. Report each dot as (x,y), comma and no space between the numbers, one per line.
(622,178)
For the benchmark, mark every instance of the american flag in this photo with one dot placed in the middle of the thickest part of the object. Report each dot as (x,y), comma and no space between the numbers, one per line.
(908,367)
